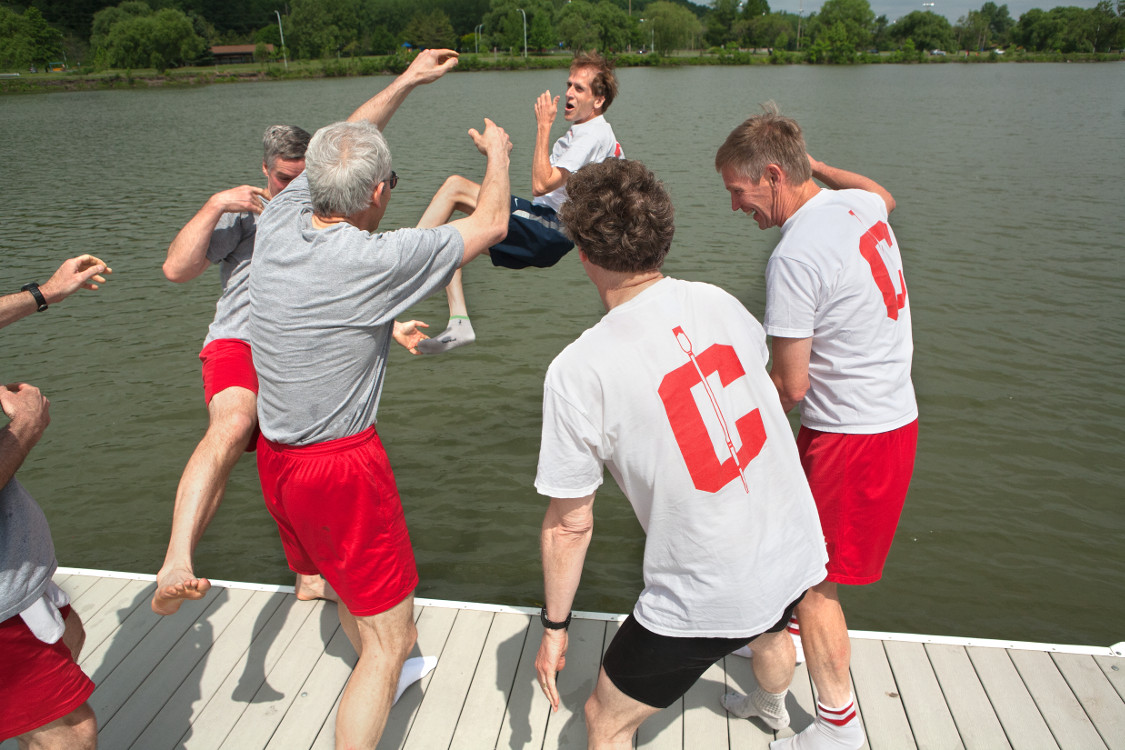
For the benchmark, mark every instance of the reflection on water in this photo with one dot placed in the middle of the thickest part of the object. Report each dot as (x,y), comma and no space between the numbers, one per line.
(1010,224)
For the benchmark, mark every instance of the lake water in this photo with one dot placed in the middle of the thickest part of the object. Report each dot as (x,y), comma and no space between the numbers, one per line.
(1010,218)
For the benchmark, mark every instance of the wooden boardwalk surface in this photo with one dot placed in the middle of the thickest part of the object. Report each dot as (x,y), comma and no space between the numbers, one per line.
(251,667)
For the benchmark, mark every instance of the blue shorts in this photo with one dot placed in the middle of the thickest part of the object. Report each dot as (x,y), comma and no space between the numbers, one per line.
(535,238)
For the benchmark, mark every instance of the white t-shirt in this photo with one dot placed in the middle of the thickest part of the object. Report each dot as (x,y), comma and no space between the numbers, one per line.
(590,142)
(722,558)
(836,275)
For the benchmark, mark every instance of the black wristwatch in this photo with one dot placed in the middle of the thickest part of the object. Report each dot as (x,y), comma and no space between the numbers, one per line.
(551,624)
(38,295)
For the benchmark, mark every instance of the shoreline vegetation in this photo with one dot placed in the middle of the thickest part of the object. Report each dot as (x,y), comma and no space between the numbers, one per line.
(88,80)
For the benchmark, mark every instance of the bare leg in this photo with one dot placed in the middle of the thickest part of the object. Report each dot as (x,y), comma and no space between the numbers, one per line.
(78,730)
(824,635)
(612,717)
(74,635)
(774,659)
(384,641)
(233,417)
(455,194)
(309,588)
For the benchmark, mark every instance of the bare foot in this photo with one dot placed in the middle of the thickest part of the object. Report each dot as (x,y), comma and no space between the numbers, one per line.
(175,587)
(315,587)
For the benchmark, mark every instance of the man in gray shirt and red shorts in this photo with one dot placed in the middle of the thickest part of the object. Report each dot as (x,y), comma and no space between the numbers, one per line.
(323,296)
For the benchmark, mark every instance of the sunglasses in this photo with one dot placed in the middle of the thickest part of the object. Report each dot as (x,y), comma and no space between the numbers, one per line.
(393,180)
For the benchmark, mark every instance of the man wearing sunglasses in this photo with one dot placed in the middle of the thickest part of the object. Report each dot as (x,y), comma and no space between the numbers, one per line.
(326,287)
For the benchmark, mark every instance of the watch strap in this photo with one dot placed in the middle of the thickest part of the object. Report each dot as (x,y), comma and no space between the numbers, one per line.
(40,300)
(551,624)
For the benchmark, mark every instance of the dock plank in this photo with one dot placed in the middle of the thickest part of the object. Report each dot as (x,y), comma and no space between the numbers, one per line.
(442,707)
(1018,714)
(930,719)
(247,681)
(256,725)
(186,706)
(1060,709)
(249,668)
(878,696)
(482,715)
(976,721)
(169,673)
(1096,695)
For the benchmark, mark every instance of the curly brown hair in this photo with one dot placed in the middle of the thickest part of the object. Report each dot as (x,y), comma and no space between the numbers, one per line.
(620,215)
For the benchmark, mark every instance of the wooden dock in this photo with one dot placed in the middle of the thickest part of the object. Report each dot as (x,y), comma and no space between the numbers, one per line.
(250,667)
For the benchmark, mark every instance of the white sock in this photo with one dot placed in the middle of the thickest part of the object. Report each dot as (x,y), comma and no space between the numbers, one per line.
(794,629)
(458,333)
(834,729)
(744,651)
(769,707)
(412,671)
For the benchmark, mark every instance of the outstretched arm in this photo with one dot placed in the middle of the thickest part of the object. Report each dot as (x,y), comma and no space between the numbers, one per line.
(544,176)
(564,539)
(488,224)
(76,273)
(429,65)
(841,179)
(187,255)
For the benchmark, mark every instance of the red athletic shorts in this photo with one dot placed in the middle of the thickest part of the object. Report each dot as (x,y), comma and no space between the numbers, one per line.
(859,483)
(39,682)
(227,363)
(339,514)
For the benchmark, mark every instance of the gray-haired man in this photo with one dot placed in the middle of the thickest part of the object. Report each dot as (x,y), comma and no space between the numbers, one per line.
(325,289)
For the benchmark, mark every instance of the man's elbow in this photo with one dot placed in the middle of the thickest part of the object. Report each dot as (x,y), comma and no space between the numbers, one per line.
(175,273)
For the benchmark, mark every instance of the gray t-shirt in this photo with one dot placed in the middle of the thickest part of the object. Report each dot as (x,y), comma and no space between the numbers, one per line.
(322,309)
(27,554)
(232,245)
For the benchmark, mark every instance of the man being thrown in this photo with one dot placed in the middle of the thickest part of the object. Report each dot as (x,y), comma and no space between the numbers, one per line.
(670,390)
(535,237)
(223,232)
(837,309)
(324,292)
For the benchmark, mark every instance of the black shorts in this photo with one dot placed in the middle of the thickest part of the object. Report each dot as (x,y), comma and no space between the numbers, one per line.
(658,669)
(535,238)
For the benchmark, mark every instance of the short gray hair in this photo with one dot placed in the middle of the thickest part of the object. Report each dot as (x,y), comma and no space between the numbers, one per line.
(345,161)
(768,138)
(283,142)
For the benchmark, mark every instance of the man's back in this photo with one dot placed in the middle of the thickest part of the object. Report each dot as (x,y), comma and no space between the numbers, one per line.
(730,537)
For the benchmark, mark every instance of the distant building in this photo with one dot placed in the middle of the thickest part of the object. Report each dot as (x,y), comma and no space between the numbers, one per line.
(236,53)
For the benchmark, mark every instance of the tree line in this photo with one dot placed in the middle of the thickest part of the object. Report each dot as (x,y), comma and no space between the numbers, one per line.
(172,33)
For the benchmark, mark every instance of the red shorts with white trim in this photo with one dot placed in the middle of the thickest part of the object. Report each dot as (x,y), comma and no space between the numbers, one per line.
(859,483)
(339,514)
(228,363)
(39,682)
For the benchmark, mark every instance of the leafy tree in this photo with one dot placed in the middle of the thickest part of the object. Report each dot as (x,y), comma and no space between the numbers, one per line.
(720,22)
(673,26)
(855,20)
(613,26)
(159,40)
(27,39)
(322,28)
(504,22)
(430,30)
(577,26)
(541,33)
(105,18)
(925,29)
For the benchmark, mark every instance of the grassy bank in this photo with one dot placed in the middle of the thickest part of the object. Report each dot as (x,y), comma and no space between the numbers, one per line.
(88,80)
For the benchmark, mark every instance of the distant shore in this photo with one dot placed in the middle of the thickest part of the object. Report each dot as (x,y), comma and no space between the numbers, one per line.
(88,80)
